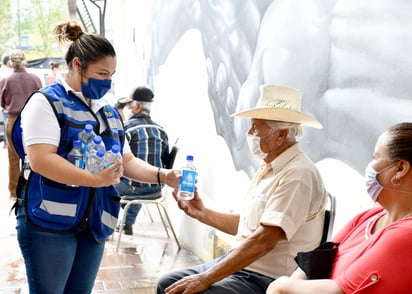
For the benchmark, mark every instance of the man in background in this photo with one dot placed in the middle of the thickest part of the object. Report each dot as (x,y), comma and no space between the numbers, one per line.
(6,68)
(15,89)
(148,141)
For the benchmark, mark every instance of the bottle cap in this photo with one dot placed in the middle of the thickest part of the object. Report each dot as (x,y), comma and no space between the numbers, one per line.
(88,128)
(189,157)
(100,152)
(77,143)
(97,139)
(115,148)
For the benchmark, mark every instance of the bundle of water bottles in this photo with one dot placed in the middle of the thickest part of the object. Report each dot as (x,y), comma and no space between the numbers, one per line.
(89,152)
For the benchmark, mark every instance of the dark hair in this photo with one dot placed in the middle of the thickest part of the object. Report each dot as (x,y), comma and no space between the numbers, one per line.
(6,59)
(54,64)
(400,142)
(89,48)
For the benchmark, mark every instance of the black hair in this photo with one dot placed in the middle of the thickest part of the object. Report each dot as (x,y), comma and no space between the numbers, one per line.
(6,59)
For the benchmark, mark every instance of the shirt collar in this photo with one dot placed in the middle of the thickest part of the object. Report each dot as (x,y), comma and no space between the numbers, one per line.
(279,162)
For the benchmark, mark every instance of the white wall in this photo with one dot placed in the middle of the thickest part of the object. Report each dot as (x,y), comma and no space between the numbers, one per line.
(183,108)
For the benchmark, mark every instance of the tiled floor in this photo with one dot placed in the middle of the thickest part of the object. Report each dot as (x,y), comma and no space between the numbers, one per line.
(133,269)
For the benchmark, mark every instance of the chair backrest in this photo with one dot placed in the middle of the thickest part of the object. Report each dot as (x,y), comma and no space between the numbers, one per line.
(329,219)
(171,158)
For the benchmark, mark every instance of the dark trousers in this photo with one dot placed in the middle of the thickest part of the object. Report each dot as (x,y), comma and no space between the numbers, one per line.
(242,282)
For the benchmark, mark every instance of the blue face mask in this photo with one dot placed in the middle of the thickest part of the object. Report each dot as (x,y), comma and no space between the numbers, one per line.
(96,89)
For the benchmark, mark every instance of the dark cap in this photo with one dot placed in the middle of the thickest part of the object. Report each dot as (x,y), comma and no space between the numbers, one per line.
(142,94)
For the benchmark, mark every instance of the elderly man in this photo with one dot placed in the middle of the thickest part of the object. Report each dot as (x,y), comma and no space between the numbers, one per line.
(149,142)
(15,89)
(284,212)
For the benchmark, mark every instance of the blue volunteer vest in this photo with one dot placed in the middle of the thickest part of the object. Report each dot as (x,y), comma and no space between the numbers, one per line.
(57,207)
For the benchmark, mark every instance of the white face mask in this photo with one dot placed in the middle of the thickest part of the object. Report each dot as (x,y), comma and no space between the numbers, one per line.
(254,145)
(127,113)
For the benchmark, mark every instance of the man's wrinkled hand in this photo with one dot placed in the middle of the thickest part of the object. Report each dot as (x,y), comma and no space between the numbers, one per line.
(188,285)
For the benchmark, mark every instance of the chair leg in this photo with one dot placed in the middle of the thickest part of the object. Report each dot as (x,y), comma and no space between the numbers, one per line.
(147,212)
(126,208)
(170,224)
(163,220)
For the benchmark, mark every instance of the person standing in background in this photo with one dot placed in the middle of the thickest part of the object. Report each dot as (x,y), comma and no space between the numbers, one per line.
(56,68)
(148,141)
(15,89)
(5,70)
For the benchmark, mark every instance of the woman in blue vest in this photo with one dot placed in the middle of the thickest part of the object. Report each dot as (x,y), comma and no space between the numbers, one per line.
(65,213)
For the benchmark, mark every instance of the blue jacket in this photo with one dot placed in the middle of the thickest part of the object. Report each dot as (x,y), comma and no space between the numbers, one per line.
(57,207)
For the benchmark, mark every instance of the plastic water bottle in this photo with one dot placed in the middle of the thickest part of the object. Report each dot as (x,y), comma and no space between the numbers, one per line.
(75,155)
(86,136)
(188,180)
(93,146)
(95,161)
(112,156)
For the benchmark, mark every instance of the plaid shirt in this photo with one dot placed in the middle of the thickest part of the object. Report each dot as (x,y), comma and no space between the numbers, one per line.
(148,141)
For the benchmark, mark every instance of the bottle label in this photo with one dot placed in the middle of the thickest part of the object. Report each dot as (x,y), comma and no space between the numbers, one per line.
(188,181)
(78,162)
(83,148)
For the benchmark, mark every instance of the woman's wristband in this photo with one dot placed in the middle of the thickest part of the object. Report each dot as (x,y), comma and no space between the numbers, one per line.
(158,176)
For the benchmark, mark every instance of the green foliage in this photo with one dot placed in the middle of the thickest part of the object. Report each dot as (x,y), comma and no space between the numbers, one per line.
(5,25)
(31,26)
(47,14)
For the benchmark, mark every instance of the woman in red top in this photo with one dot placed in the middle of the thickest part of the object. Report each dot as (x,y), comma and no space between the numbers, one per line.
(375,251)
(56,69)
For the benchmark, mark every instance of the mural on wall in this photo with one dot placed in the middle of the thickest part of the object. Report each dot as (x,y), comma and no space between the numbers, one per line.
(347,57)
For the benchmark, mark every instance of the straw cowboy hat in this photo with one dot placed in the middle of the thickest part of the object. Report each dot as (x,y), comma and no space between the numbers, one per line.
(280,103)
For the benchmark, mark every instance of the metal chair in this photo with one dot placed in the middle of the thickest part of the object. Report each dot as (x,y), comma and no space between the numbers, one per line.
(329,219)
(157,199)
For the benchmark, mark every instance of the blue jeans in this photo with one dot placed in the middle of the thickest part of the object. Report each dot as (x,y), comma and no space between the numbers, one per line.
(241,282)
(124,188)
(58,263)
